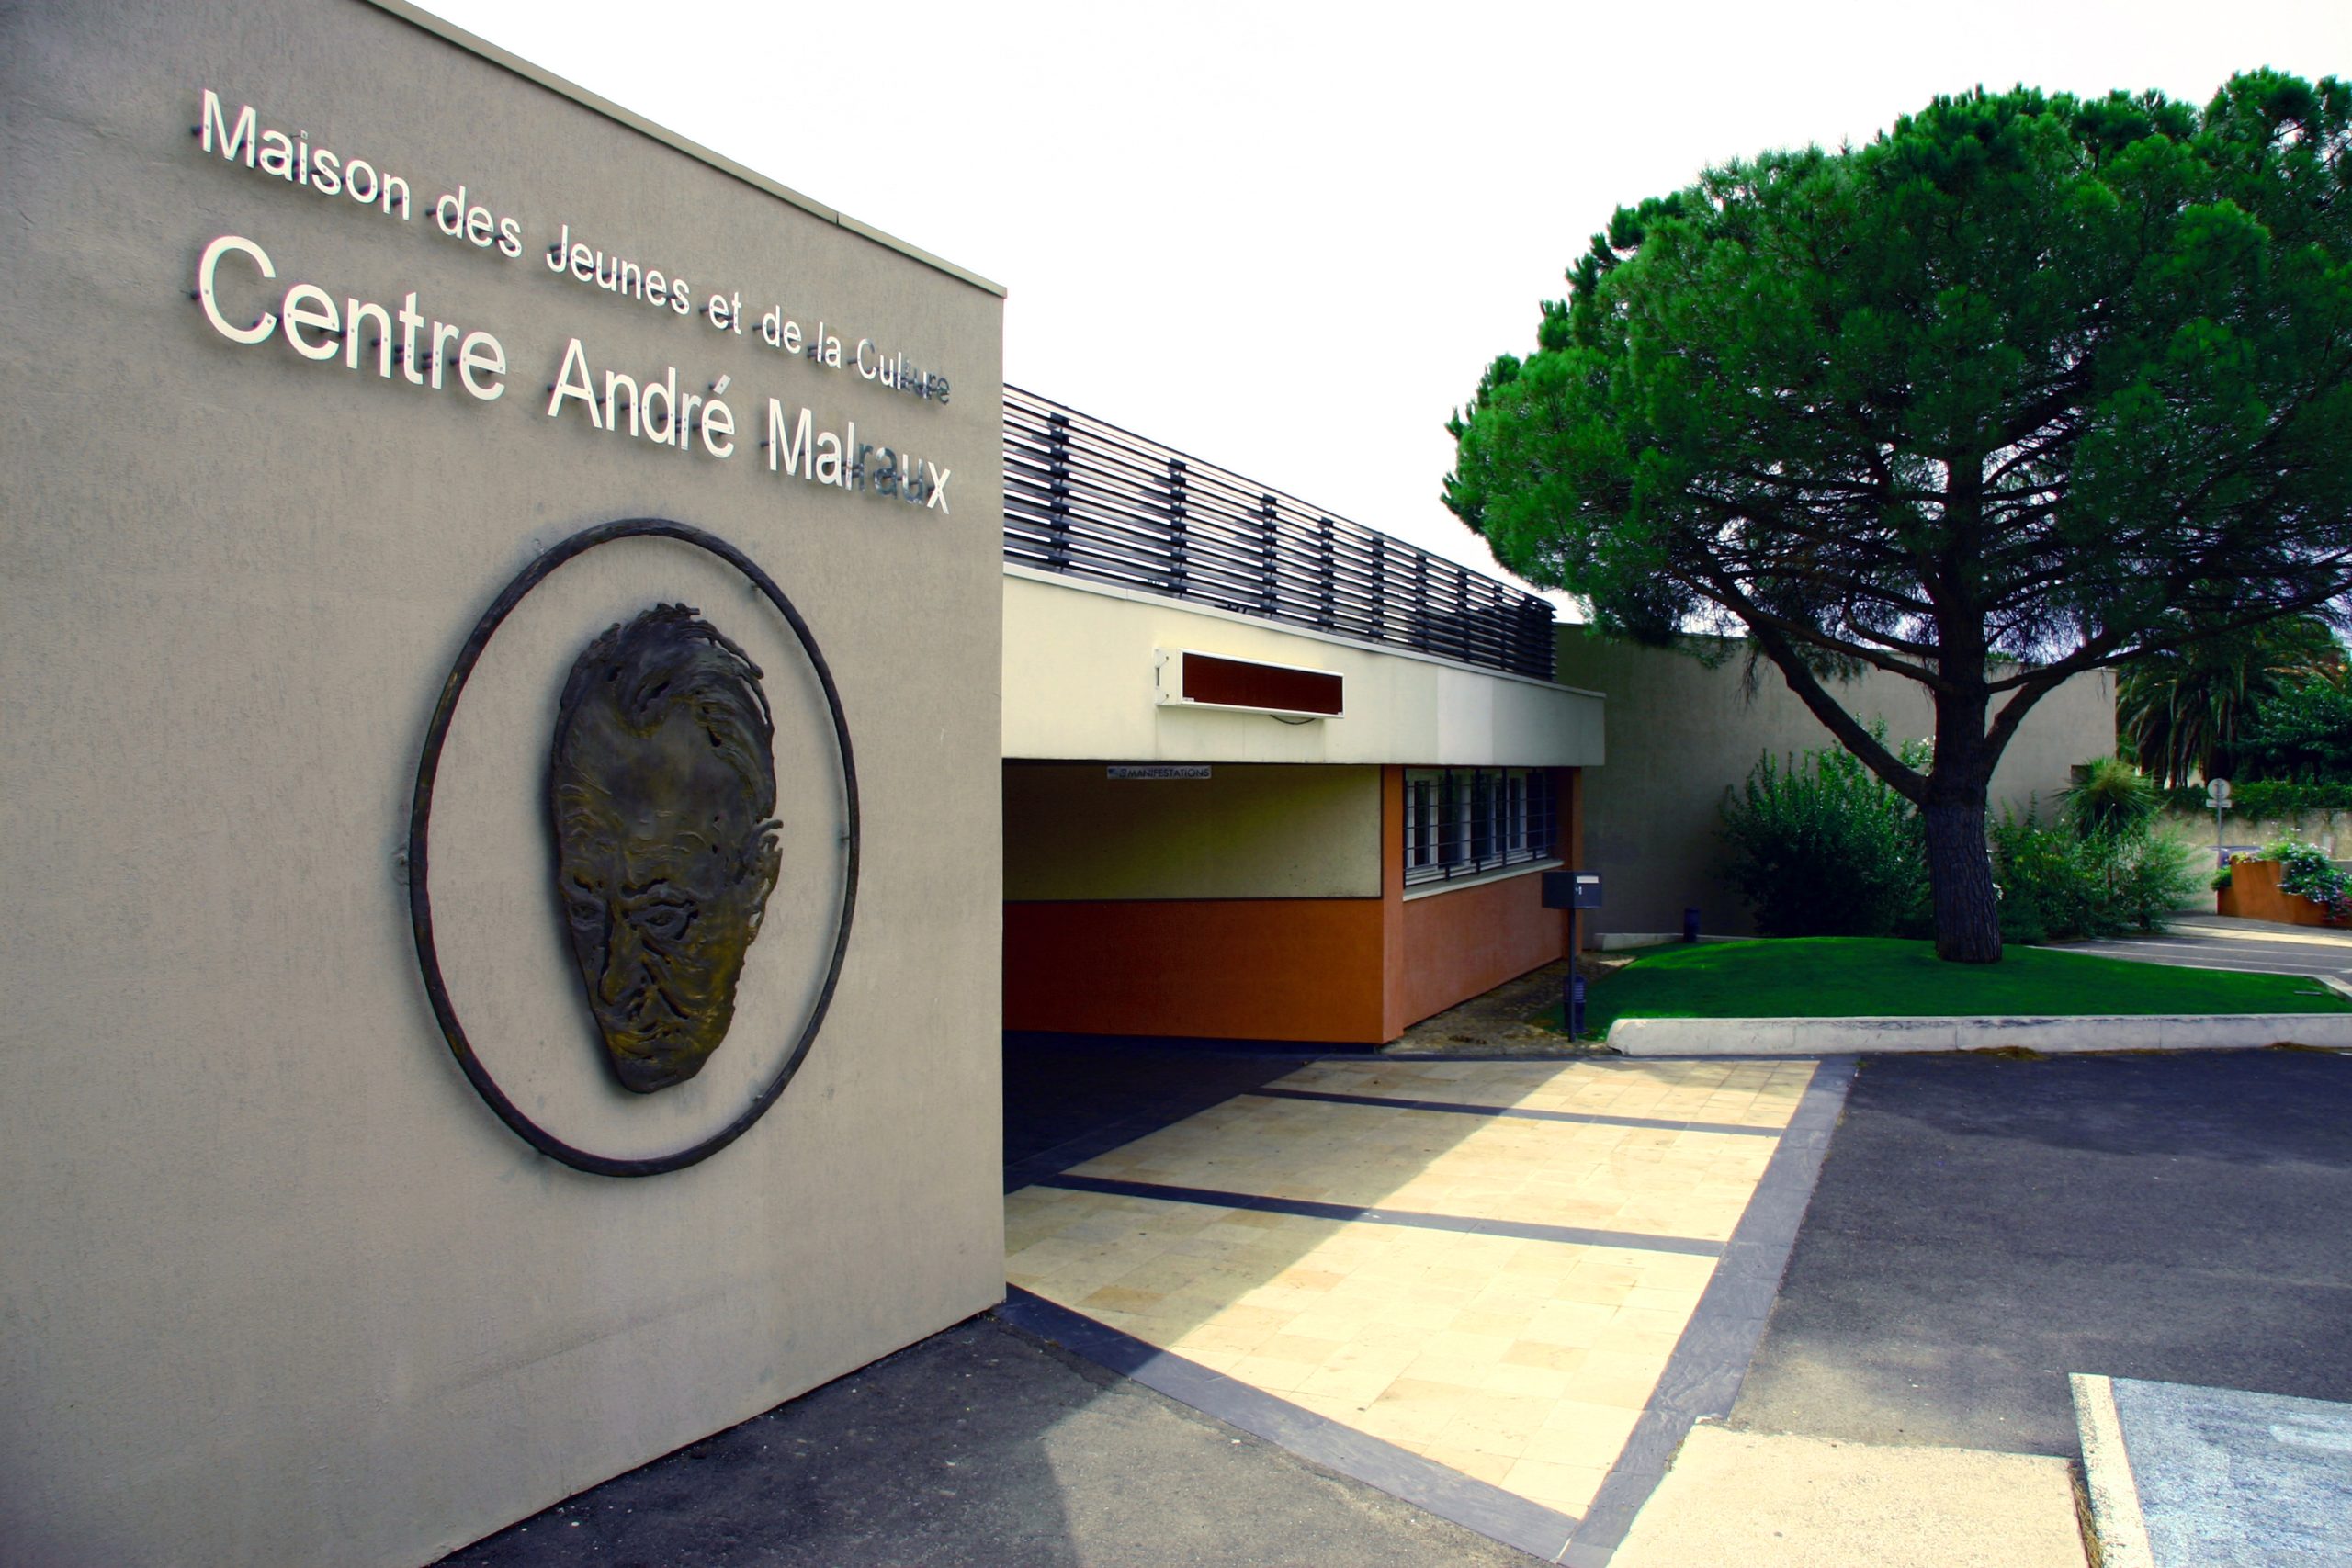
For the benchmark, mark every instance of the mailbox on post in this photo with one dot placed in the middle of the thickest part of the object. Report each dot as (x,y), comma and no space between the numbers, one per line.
(1572,890)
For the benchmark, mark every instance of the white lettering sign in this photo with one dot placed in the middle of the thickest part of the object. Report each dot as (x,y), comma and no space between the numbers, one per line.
(236,289)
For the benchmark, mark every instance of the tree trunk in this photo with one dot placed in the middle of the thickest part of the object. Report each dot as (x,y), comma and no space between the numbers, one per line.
(1960,866)
(1960,878)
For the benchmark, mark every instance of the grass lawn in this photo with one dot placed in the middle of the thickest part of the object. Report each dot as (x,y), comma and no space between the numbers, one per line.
(1834,976)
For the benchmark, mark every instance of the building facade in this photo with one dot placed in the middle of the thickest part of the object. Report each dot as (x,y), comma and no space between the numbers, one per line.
(550,688)
(1267,775)
(360,380)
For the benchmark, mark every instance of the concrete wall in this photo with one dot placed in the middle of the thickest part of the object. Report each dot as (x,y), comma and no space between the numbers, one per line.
(278,1287)
(1079,682)
(1683,734)
(1246,832)
(2331,831)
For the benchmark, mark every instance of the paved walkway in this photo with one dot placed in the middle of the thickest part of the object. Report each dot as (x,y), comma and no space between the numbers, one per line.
(1484,1267)
(1775,1500)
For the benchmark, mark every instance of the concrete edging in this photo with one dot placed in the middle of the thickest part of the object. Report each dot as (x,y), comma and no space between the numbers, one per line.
(1878,1036)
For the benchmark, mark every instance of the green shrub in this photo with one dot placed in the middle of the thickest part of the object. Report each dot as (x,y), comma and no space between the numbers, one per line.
(2157,875)
(2186,798)
(2056,882)
(2110,797)
(2270,800)
(1822,846)
(2038,868)
(2266,800)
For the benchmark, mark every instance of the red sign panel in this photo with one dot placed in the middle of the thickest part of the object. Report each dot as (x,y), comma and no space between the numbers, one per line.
(1277,688)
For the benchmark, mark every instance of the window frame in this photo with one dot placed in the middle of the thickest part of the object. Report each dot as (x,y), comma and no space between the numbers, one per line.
(1466,822)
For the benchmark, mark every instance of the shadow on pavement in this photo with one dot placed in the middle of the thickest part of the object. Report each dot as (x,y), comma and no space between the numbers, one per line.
(979,1448)
(1071,1097)
(984,1448)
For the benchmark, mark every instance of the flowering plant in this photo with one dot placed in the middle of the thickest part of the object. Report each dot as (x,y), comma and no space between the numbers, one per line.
(2304,869)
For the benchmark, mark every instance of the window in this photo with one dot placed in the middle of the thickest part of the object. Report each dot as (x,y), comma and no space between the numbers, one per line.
(1463,821)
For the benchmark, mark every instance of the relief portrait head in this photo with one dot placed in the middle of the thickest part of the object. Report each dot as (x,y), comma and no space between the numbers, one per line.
(661,796)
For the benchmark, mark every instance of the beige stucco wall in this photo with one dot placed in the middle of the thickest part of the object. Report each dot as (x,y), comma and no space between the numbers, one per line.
(1072,831)
(1683,734)
(276,1286)
(1079,673)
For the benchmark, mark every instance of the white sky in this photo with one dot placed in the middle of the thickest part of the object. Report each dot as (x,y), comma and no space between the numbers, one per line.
(1287,238)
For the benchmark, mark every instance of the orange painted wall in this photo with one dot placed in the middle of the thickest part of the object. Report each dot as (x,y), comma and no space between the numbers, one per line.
(1460,943)
(1446,948)
(1230,968)
(1340,971)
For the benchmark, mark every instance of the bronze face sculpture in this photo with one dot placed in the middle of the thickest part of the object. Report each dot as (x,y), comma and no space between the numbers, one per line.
(662,793)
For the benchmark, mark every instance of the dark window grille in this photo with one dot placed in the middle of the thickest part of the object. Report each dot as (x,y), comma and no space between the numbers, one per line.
(1091,501)
(1467,821)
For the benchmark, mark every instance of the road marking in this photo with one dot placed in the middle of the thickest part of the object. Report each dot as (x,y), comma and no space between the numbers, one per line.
(1349,1213)
(2313,1438)
(1586,1118)
(2216,949)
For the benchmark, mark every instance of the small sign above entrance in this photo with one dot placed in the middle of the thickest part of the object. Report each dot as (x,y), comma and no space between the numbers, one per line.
(1157,771)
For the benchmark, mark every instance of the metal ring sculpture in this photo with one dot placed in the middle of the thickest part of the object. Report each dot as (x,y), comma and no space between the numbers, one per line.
(420,902)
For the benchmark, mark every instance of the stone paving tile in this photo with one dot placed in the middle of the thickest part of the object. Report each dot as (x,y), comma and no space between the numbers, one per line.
(1517,1361)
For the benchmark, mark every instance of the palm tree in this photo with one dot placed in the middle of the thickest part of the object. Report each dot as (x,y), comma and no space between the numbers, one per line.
(2180,712)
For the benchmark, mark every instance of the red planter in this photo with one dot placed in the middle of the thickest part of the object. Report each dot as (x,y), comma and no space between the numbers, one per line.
(2254,893)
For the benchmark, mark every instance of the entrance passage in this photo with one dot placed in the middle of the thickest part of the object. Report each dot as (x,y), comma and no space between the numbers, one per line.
(1483,1267)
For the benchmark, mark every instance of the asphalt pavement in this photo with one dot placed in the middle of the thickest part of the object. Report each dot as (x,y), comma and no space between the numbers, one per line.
(2221,942)
(1984,1225)
(982,1448)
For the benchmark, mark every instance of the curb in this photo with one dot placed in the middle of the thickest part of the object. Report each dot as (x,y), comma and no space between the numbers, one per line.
(1879,1036)
(2116,1518)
